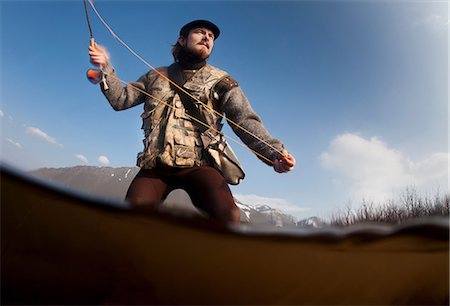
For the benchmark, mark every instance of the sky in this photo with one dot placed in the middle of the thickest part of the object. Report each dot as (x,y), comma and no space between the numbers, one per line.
(356,90)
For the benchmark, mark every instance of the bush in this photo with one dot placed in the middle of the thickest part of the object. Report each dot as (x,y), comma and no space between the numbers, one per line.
(410,205)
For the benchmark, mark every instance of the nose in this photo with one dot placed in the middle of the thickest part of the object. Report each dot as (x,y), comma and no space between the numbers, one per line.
(205,37)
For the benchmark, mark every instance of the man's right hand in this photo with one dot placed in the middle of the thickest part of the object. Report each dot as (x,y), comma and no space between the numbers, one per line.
(98,54)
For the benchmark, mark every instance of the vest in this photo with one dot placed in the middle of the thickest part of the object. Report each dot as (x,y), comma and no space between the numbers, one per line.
(171,137)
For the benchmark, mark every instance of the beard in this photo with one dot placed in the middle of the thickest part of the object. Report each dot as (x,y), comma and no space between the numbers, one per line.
(202,53)
(190,56)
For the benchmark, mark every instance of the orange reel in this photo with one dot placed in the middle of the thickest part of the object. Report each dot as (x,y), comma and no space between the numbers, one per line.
(94,76)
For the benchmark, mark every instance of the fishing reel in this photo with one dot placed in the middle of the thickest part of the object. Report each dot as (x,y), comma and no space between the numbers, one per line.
(95,76)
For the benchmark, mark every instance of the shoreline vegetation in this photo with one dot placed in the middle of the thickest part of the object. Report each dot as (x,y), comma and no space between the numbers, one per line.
(409,205)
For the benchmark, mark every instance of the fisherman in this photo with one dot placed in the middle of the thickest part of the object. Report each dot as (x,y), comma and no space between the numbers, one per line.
(177,153)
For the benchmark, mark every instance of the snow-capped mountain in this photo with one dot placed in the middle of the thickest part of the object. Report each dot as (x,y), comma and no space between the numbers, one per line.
(312,222)
(264,214)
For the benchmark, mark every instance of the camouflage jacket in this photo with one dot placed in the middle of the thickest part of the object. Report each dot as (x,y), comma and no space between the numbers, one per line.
(171,136)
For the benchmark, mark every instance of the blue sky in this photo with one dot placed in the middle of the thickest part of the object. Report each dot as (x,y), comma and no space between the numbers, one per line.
(357,90)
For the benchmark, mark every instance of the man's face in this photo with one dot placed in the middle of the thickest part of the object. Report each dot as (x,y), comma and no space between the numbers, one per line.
(200,41)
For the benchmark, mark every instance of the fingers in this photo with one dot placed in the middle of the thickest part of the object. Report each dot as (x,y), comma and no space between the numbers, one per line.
(281,167)
(98,60)
(285,163)
(278,167)
(289,160)
(98,55)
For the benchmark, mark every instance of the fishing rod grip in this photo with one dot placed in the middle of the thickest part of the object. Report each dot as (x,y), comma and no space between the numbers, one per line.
(103,81)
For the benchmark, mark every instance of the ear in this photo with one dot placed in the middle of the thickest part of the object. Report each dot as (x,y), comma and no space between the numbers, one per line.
(182,41)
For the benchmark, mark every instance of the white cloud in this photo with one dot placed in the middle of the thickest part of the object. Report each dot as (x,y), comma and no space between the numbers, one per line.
(82,158)
(281,204)
(103,160)
(434,167)
(14,143)
(375,171)
(36,132)
(1,114)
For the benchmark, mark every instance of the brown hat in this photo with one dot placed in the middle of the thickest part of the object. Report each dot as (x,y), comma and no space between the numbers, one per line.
(200,24)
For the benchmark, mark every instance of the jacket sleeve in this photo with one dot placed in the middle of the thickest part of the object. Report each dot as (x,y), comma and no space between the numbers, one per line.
(123,97)
(238,110)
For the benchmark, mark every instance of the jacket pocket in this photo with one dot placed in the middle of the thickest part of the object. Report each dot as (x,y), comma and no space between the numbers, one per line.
(187,150)
(147,119)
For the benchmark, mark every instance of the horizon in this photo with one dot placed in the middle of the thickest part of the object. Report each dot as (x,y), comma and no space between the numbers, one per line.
(408,194)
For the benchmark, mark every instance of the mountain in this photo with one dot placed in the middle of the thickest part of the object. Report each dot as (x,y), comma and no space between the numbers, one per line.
(105,182)
(312,222)
(108,182)
(264,214)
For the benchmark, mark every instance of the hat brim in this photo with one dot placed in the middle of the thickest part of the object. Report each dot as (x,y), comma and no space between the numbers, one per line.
(200,24)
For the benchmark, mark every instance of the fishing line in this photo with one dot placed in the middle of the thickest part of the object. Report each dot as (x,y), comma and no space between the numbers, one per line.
(191,117)
(176,85)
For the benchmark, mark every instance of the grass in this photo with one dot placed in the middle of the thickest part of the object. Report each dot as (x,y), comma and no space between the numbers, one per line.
(410,205)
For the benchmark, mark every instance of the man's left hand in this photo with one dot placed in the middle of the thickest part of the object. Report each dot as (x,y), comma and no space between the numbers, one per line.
(285,163)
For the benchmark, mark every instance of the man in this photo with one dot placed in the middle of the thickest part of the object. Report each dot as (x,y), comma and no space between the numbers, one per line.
(174,153)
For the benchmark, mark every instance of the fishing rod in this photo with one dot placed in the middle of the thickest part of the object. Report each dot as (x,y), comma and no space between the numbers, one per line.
(177,86)
(95,76)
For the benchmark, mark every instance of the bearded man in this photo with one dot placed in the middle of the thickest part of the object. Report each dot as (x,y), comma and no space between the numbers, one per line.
(175,151)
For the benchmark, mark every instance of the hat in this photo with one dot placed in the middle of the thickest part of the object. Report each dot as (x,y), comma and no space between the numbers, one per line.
(200,24)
